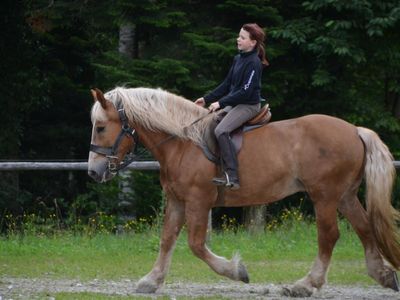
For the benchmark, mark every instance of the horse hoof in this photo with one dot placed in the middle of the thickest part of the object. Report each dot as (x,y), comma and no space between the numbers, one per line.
(146,287)
(240,272)
(243,275)
(296,292)
(395,283)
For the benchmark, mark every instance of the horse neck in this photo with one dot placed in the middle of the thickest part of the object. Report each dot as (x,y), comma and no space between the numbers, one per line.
(161,145)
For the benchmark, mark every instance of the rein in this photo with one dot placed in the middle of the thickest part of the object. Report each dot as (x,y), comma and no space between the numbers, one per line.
(199,119)
(171,137)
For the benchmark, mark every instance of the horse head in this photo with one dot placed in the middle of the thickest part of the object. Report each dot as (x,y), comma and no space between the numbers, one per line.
(112,138)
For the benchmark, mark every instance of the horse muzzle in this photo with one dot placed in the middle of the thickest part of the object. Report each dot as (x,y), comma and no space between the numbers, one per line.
(100,177)
(100,171)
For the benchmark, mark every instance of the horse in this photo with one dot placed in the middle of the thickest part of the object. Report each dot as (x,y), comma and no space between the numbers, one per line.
(321,155)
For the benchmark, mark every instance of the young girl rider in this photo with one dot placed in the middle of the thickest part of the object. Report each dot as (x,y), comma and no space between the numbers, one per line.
(239,96)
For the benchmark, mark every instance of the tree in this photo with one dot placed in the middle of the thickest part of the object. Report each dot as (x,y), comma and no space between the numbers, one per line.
(21,87)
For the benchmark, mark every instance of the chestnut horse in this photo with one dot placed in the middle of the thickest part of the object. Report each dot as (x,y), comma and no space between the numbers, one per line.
(321,155)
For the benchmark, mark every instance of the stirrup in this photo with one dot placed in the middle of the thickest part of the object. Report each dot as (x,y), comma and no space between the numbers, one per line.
(225,181)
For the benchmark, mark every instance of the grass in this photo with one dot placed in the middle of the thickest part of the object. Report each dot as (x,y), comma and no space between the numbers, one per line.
(281,255)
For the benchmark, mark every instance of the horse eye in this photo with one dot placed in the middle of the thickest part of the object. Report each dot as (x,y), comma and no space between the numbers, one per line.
(100,129)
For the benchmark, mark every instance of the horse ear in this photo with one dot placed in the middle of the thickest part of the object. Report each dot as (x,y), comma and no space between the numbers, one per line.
(99,96)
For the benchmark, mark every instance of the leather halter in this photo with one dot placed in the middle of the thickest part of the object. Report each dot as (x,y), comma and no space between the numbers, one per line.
(111,152)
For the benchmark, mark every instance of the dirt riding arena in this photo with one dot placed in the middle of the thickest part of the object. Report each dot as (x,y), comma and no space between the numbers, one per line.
(17,288)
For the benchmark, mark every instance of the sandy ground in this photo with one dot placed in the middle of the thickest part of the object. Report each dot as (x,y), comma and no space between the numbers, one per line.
(19,288)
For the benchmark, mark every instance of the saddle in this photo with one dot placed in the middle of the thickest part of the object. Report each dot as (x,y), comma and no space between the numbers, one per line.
(210,147)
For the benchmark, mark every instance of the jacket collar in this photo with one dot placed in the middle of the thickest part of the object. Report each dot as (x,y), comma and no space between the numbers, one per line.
(245,54)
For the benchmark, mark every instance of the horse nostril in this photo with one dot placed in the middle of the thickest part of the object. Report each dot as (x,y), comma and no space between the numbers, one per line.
(93,174)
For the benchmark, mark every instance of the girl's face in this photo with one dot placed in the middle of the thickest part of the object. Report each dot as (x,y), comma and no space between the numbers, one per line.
(244,42)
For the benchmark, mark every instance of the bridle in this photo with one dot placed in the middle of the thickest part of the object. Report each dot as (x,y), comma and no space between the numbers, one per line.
(111,152)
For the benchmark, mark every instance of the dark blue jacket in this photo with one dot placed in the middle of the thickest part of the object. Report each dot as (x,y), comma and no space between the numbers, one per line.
(242,85)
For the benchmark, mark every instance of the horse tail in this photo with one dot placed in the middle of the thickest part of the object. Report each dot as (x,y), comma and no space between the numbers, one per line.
(380,175)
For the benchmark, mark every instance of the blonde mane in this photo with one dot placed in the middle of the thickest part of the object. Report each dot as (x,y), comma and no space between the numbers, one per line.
(160,111)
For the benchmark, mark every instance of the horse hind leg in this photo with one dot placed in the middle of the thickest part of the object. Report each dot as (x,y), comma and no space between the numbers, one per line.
(328,234)
(378,269)
(197,218)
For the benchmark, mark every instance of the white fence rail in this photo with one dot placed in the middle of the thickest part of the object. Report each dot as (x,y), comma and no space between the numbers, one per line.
(68,166)
(82,166)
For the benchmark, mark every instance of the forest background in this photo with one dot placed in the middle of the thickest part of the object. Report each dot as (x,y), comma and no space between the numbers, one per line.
(340,58)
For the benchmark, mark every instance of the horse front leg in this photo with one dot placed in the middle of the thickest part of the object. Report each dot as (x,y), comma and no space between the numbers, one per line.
(197,219)
(173,221)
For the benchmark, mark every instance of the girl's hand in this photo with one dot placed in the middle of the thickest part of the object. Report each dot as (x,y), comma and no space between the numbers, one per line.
(214,106)
(200,102)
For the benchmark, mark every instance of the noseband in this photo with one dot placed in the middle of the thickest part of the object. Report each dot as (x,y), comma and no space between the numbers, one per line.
(111,152)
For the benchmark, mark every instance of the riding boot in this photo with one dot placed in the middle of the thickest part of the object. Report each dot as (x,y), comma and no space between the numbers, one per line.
(230,176)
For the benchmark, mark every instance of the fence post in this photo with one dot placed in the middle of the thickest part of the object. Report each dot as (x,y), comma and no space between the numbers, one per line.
(255,217)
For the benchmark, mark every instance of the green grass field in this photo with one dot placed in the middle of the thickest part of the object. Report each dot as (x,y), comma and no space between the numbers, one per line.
(281,255)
